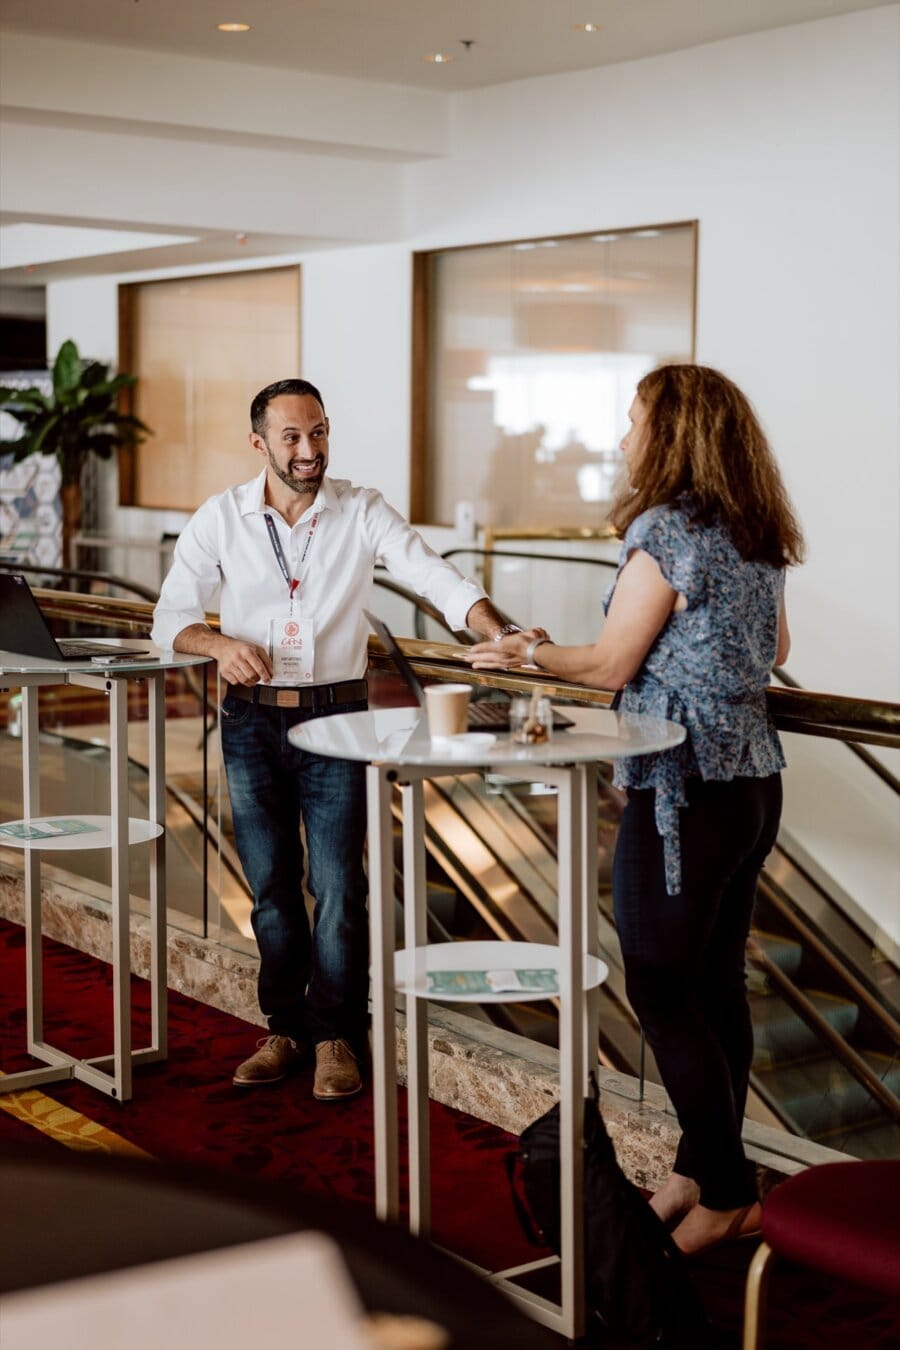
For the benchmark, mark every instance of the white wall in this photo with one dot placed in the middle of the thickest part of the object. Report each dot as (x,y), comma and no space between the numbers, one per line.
(356,347)
(86,310)
(784,145)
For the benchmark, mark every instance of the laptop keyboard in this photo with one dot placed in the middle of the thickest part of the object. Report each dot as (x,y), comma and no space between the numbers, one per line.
(76,648)
(495,715)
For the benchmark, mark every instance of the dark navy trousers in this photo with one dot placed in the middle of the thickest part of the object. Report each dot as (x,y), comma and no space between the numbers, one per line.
(684,964)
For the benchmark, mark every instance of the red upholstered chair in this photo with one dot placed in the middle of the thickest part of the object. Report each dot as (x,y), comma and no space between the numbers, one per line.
(842,1219)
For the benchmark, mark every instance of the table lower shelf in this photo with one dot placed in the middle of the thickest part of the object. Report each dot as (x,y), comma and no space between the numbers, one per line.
(413,968)
(98,834)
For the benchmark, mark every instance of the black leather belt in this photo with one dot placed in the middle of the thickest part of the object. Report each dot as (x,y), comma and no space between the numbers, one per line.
(318,697)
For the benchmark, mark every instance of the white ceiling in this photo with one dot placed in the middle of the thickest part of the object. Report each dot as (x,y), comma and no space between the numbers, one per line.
(130,73)
(385,40)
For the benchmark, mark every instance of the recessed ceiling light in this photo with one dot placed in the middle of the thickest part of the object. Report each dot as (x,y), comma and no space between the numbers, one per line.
(646,234)
(438,58)
(233,27)
(588,27)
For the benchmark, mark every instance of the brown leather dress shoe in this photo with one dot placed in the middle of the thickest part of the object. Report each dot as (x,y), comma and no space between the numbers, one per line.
(337,1072)
(275,1057)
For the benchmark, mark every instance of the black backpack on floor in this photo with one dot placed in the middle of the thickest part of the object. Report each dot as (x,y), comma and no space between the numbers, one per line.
(639,1292)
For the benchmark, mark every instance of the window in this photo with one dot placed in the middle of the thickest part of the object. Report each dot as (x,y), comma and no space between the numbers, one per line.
(525,360)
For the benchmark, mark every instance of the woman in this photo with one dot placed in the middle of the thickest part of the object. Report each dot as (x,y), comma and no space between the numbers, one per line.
(694,623)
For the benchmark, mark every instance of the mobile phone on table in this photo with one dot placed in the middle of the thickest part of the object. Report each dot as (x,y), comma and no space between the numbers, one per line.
(121,656)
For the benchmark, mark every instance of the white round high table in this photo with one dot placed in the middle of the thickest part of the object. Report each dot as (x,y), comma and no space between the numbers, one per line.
(109,1073)
(396,745)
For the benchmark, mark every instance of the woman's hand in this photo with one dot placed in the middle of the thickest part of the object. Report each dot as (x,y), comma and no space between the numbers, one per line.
(509,651)
(642,604)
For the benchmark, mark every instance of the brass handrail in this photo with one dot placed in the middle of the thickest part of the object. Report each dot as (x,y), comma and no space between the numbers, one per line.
(106,611)
(836,716)
(871,721)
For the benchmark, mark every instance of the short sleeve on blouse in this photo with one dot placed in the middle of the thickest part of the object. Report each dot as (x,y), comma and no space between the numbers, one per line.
(666,535)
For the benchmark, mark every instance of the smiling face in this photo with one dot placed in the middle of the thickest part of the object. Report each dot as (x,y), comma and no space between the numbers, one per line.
(295,443)
(632,441)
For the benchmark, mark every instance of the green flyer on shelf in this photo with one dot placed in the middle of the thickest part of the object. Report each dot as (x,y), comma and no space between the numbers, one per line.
(46,829)
(492,981)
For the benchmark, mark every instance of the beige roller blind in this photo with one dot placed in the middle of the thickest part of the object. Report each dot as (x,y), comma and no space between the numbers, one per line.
(201,348)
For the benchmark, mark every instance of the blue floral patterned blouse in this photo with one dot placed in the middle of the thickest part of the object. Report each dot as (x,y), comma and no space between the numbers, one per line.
(707,670)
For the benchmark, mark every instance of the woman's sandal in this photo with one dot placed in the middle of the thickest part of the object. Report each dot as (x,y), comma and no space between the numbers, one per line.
(747,1223)
(744,1224)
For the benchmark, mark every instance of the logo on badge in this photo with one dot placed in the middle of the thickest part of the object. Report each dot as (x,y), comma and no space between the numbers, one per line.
(291,629)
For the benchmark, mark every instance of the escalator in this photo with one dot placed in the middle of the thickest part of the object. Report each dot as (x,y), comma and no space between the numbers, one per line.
(824,1003)
(826,1017)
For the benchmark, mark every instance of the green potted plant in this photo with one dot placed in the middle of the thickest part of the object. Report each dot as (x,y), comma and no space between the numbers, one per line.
(79,418)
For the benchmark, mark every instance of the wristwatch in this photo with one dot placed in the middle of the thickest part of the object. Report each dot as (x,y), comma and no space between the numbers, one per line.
(505,631)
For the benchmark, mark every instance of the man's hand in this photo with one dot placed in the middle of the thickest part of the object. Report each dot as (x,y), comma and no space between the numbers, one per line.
(240,662)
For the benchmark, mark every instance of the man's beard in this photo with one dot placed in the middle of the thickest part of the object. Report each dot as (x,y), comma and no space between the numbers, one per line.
(302,486)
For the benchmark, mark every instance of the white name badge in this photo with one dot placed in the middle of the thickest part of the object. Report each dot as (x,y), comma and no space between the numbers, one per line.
(292,649)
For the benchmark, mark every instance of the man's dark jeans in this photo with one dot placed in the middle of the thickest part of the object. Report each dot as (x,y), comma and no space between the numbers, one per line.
(312,986)
(684,964)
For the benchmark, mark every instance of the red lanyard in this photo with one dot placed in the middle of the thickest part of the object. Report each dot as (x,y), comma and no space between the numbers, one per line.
(292,582)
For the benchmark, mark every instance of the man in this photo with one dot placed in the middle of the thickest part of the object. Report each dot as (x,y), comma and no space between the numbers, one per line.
(290,556)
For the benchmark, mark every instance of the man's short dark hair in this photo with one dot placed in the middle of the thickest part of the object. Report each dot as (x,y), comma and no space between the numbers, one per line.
(260,405)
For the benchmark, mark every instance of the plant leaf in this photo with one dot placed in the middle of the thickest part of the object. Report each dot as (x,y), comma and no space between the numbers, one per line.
(114,385)
(66,371)
(22,398)
(80,418)
(40,436)
(94,375)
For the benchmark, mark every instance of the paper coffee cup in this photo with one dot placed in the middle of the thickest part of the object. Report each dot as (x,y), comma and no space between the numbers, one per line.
(447,708)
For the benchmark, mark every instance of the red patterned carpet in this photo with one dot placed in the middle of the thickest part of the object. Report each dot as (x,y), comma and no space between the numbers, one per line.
(186,1111)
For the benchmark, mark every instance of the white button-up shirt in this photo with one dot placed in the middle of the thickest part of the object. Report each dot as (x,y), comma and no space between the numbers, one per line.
(224,560)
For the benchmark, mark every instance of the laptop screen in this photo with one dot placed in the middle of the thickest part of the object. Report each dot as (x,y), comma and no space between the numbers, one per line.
(22,625)
(381,630)
(24,630)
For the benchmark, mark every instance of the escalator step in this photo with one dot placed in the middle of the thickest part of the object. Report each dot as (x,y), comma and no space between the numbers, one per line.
(442,903)
(822,1096)
(781,1036)
(869,1141)
(783,952)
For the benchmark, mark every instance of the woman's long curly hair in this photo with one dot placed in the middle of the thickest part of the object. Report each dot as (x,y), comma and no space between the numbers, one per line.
(702,441)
